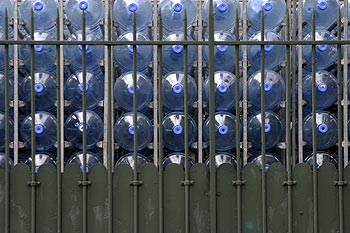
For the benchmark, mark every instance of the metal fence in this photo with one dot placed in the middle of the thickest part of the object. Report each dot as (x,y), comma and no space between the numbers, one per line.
(288,197)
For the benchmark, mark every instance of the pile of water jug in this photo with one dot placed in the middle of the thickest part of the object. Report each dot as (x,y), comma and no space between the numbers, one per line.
(173,78)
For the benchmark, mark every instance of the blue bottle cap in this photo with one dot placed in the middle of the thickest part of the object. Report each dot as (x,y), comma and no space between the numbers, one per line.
(39,129)
(267,166)
(177,129)
(132,7)
(38,6)
(222,48)
(223,129)
(131,89)
(83,5)
(268,47)
(81,87)
(81,127)
(131,130)
(267,86)
(322,47)
(86,168)
(222,7)
(38,47)
(87,47)
(267,127)
(177,49)
(39,88)
(322,128)
(267,6)
(322,5)
(36,169)
(322,87)
(177,88)
(177,7)
(222,88)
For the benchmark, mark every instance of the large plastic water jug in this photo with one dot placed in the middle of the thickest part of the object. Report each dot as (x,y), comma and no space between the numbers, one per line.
(221,158)
(176,158)
(2,131)
(269,160)
(2,90)
(321,158)
(40,159)
(91,159)
(129,159)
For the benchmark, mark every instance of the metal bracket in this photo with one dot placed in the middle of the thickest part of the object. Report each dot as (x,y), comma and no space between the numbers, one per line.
(238,182)
(33,183)
(289,183)
(84,183)
(340,183)
(135,183)
(187,182)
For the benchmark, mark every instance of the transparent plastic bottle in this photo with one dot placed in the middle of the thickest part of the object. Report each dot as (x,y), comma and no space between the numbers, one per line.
(6,5)
(124,130)
(91,159)
(173,91)
(225,90)
(2,131)
(123,54)
(225,131)
(3,161)
(2,90)
(124,91)
(73,90)
(129,159)
(321,158)
(174,132)
(221,158)
(74,129)
(45,131)
(326,130)
(273,130)
(176,158)
(269,160)
(274,87)
(2,51)
(44,88)
(40,159)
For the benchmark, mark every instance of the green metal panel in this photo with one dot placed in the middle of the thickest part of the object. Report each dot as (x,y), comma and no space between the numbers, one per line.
(199,199)
(328,199)
(148,199)
(20,196)
(251,200)
(347,199)
(277,199)
(97,200)
(302,199)
(2,199)
(46,200)
(72,200)
(123,200)
(227,199)
(174,199)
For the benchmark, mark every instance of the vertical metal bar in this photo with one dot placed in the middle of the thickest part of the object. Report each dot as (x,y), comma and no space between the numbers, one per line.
(60,98)
(244,84)
(136,188)
(84,124)
(238,129)
(200,83)
(345,87)
(340,132)
(15,84)
(7,130)
(300,84)
(33,149)
(288,122)
(160,128)
(263,141)
(59,123)
(187,171)
(213,213)
(314,138)
(293,67)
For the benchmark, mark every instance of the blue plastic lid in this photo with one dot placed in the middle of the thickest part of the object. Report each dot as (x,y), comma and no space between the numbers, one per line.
(81,87)
(177,88)
(267,166)
(86,168)
(87,47)
(177,7)
(39,129)
(267,6)
(36,169)
(267,86)
(222,88)
(81,127)
(177,129)
(223,129)
(131,89)
(323,5)
(132,7)
(267,127)
(222,7)
(39,88)
(268,47)
(83,5)
(222,48)
(322,87)
(322,128)
(322,47)
(38,6)
(131,129)
(38,47)
(177,49)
